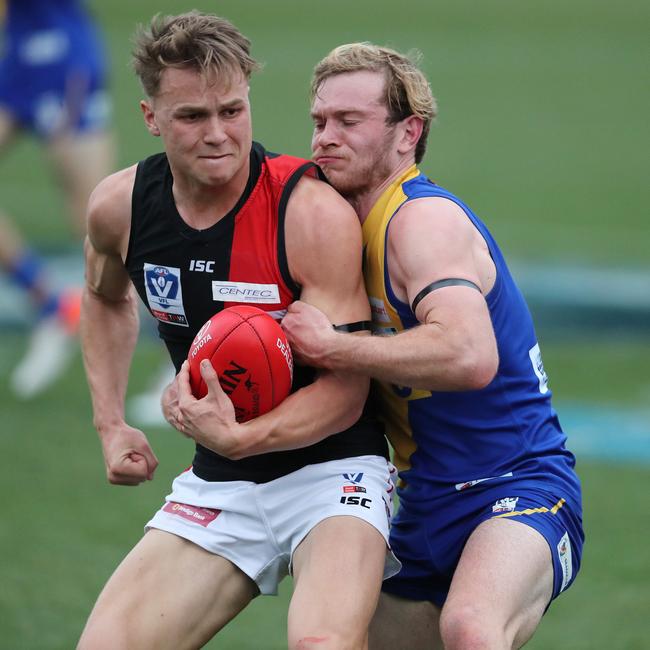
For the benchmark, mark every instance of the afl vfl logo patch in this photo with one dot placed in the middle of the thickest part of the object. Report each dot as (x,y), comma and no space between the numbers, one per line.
(164,293)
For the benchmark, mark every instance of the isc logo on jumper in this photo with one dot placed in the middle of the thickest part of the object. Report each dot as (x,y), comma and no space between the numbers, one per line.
(207,266)
(164,293)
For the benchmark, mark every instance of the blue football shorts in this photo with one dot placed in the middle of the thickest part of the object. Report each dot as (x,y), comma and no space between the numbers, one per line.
(53,82)
(428,541)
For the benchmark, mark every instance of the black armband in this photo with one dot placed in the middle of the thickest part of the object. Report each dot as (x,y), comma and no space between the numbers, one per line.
(359,326)
(448,282)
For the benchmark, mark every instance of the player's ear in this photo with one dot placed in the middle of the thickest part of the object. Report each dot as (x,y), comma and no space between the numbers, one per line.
(411,130)
(149,118)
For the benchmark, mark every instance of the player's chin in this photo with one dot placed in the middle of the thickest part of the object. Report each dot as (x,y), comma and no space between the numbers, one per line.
(335,175)
(341,182)
(216,179)
(219,170)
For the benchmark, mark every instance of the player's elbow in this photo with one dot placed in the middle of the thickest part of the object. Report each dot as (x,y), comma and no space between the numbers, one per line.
(478,368)
(354,394)
(353,414)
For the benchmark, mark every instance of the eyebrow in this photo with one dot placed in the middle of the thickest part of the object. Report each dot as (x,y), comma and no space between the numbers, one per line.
(200,108)
(339,113)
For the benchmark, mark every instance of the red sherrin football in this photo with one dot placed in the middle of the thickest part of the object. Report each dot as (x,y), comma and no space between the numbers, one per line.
(251,355)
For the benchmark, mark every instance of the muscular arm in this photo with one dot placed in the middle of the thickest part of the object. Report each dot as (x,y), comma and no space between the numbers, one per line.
(323,241)
(454,346)
(109,330)
(324,252)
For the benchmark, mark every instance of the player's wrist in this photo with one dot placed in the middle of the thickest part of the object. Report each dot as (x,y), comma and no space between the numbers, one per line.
(340,349)
(239,442)
(107,425)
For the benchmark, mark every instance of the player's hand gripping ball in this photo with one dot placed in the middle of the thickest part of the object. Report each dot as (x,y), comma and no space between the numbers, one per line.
(251,355)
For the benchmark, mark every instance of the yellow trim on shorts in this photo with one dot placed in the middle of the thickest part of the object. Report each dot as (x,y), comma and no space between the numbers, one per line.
(533,511)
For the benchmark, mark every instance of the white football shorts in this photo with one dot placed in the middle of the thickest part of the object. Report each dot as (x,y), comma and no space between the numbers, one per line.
(258,526)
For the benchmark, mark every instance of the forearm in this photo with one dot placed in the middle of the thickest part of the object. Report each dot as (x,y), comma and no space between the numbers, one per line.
(424,357)
(330,405)
(109,332)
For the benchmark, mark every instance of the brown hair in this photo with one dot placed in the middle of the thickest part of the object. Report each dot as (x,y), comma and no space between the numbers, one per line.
(407,91)
(203,42)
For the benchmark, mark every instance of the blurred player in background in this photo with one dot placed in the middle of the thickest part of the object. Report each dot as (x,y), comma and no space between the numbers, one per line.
(489,526)
(241,517)
(52,85)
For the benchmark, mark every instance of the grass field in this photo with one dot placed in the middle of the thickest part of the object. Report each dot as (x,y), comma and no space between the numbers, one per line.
(64,528)
(543,113)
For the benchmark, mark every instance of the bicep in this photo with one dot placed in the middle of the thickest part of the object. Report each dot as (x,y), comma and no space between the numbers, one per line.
(324,250)
(428,245)
(341,296)
(108,224)
(105,273)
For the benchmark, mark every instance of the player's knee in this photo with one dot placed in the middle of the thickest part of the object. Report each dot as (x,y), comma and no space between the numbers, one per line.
(470,626)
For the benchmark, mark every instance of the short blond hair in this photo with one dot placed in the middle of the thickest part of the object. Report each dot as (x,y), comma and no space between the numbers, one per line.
(203,42)
(407,90)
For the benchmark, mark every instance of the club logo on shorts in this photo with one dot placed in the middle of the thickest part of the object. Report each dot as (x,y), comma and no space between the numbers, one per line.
(201,516)
(505,505)
(352,477)
(566,560)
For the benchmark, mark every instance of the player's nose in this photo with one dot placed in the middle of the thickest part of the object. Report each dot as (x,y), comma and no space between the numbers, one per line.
(214,132)
(326,136)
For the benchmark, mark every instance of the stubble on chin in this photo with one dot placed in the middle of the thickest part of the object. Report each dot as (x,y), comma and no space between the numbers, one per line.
(351,184)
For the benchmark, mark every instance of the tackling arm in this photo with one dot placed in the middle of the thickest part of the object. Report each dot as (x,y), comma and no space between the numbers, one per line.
(454,347)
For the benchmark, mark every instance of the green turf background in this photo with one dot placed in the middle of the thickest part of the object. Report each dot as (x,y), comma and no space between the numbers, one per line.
(543,129)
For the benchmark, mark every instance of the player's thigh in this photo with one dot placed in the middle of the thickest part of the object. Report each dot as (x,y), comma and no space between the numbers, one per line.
(504,579)
(337,569)
(402,623)
(80,161)
(167,593)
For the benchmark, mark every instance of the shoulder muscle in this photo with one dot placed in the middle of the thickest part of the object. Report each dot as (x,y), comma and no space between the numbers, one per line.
(324,246)
(433,239)
(109,212)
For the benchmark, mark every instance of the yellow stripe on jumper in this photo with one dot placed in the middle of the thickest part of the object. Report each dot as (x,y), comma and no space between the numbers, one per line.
(532,511)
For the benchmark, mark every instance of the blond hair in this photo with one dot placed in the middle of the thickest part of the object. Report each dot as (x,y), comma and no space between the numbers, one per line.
(406,92)
(203,42)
